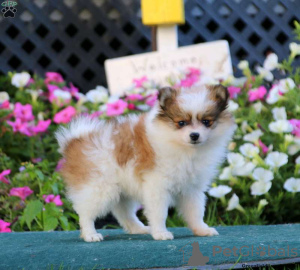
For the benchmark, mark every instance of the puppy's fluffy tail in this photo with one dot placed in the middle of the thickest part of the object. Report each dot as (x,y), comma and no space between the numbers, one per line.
(79,127)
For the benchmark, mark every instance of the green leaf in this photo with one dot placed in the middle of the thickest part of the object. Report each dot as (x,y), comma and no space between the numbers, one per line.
(50,223)
(52,210)
(50,216)
(64,223)
(32,209)
(40,175)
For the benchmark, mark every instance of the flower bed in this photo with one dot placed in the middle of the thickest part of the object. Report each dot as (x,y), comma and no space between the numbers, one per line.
(259,182)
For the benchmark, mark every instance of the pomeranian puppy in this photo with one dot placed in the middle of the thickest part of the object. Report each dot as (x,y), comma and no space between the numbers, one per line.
(166,157)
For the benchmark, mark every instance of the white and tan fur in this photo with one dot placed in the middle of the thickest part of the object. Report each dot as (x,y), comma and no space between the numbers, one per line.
(113,166)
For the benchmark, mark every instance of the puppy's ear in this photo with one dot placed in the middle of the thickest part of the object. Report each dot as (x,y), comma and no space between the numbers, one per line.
(166,95)
(220,94)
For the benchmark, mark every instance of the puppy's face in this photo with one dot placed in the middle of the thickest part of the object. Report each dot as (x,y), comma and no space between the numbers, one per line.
(191,115)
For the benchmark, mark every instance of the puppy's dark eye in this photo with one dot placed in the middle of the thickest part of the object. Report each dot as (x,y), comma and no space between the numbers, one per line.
(182,123)
(206,123)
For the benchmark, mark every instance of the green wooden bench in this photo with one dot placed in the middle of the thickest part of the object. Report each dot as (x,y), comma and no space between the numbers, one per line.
(276,244)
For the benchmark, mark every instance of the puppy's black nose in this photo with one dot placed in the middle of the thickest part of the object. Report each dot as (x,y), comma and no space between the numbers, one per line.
(194,136)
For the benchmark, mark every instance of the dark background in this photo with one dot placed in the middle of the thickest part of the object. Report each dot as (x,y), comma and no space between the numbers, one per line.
(75,37)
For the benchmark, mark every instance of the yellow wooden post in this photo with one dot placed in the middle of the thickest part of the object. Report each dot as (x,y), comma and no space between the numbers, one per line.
(165,14)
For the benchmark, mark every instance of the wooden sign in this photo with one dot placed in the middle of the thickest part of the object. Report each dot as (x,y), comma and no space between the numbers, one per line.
(212,58)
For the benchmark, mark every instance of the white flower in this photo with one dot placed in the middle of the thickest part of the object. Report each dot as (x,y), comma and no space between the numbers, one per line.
(243,65)
(295,48)
(34,93)
(225,174)
(244,170)
(280,126)
(40,116)
(232,106)
(292,184)
(98,95)
(151,91)
(253,136)
(286,84)
(271,62)
(61,94)
(236,81)
(103,108)
(3,97)
(20,79)
(113,99)
(81,98)
(288,138)
(244,126)
(279,113)
(257,106)
(231,146)
(263,203)
(274,95)
(294,148)
(276,159)
(235,160)
(249,150)
(260,187)
(219,191)
(233,202)
(265,74)
(260,174)
(297,161)
(143,107)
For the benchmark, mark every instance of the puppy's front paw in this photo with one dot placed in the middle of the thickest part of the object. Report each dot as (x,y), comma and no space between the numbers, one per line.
(92,237)
(163,235)
(205,231)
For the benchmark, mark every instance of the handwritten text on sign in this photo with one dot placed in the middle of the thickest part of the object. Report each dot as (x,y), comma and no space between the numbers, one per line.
(212,58)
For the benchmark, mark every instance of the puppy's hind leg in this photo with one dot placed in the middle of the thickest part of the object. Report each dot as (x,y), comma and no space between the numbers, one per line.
(125,213)
(92,202)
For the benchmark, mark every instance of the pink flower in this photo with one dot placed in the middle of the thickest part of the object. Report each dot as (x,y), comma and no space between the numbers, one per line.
(95,114)
(19,126)
(42,126)
(23,112)
(4,179)
(194,71)
(116,108)
(59,165)
(4,226)
(134,97)
(36,160)
(131,106)
(4,105)
(257,93)
(151,100)
(65,115)
(72,90)
(188,82)
(139,82)
(263,147)
(52,87)
(21,192)
(31,81)
(53,77)
(296,127)
(233,91)
(54,199)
